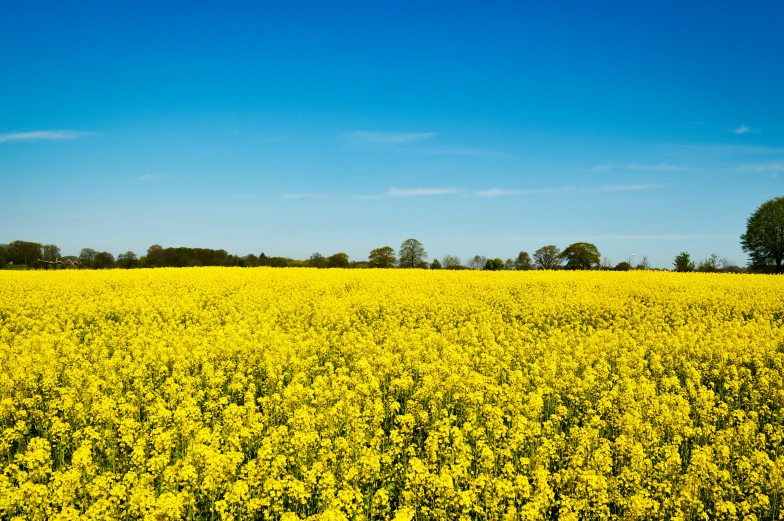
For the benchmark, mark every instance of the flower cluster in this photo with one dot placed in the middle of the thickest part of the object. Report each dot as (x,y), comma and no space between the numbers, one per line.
(220,393)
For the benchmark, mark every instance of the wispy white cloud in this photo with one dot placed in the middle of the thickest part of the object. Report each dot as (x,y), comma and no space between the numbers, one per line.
(499,192)
(47,135)
(660,167)
(623,188)
(303,196)
(388,138)
(413,192)
(770,167)
(510,192)
(503,192)
(147,177)
(743,129)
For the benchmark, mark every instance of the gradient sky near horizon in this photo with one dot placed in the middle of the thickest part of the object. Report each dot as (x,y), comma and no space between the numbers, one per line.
(295,127)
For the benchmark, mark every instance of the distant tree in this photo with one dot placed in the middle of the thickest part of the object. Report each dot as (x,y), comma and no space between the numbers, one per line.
(494,264)
(264,260)
(86,256)
(683,262)
(156,256)
(709,265)
(2,256)
(358,264)
(127,260)
(24,252)
(383,257)
(509,264)
(523,261)
(581,256)
(450,262)
(435,265)
(338,260)
(317,260)
(423,265)
(50,252)
(547,257)
(477,262)
(623,266)
(411,253)
(764,237)
(279,262)
(103,260)
(251,261)
(643,264)
(606,263)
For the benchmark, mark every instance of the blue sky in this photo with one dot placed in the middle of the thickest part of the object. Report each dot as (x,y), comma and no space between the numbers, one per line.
(295,127)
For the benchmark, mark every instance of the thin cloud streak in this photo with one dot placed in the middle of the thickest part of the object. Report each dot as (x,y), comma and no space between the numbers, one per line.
(43,135)
(661,167)
(416,192)
(772,167)
(743,129)
(387,138)
(303,196)
(501,192)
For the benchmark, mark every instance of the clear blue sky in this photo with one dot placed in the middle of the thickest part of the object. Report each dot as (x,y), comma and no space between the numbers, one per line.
(295,127)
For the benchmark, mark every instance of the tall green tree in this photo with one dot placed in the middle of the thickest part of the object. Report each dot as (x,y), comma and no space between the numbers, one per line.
(581,256)
(103,260)
(317,260)
(2,256)
(127,260)
(450,262)
(764,237)
(156,256)
(411,254)
(383,257)
(683,262)
(86,256)
(547,257)
(477,262)
(50,252)
(24,252)
(494,264)
(435,265)
(523,261)
(709,265)
(338,260)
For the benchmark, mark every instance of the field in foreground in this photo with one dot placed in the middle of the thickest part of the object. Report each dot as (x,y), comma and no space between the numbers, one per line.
(222,393)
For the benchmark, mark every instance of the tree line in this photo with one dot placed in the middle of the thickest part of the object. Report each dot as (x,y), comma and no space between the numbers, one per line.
(411,254)
(763,242)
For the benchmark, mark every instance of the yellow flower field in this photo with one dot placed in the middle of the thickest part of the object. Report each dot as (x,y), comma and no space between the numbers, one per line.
(219,393)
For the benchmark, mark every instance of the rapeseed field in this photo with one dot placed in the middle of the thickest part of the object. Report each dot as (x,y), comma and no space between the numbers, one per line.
(219,393)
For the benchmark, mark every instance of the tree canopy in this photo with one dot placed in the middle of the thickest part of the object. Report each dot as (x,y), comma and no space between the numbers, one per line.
(683,262)
(383,257)
(581,256)
(764,237)
(523,261)
(412,254)
(338,260)
(548,257)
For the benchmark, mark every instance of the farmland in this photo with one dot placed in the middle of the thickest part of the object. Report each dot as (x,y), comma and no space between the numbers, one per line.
(220,393)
